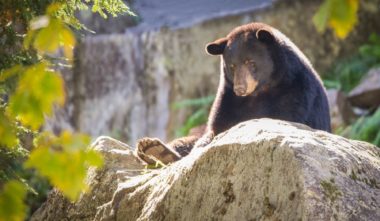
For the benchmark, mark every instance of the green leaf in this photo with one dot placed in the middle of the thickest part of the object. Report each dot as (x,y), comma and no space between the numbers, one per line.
(199,117)
(196,119)
(343,16)
(51,37)
(111,7)
(7,131)
(67,40)
(203,101)
(321,17)
(372,49)
(12,207)
(10,72)
(367,128)
(73,142)
(64,160)
(340,15)
(38,90)
(331,84)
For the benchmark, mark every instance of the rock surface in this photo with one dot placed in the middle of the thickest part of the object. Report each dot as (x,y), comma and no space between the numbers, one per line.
(258,170)
(124,85)
(341,111)
(367,93)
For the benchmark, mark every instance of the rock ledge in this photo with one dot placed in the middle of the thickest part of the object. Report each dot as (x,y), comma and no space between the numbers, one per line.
(258,170)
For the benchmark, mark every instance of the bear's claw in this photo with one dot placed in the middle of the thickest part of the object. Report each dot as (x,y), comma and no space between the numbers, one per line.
(152,150)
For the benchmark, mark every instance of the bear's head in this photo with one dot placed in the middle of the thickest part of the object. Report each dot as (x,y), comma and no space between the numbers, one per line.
(246,57)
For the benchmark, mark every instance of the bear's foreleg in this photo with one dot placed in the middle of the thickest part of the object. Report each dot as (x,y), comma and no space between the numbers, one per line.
(152,150)
(183,145)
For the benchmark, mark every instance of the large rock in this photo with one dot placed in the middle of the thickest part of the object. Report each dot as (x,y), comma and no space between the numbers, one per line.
(367,93)
(124,84)
(258,170)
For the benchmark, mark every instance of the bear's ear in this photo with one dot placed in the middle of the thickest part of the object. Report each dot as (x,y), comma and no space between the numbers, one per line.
(265,35)
(216,47)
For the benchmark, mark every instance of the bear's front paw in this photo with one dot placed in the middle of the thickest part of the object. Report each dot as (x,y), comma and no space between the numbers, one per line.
(153,150)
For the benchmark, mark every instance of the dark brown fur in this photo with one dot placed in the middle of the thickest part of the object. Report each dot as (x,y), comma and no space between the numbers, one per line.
(263,74)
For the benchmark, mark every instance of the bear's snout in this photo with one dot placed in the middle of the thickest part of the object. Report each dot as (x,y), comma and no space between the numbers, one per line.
(240,91)
(244,83)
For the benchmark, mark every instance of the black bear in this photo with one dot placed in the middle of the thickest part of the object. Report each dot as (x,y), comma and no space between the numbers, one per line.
(263,74)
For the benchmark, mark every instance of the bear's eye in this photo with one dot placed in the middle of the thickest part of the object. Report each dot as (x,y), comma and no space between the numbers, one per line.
(251,63)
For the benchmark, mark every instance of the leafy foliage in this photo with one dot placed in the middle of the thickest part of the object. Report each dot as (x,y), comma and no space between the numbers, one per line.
(372,49)
(7,131)
(367,129)
(67,156)
(11,168)
(340,15)
(11,202)
(346,74)
(103,7)
(32,34)
(202,106)
(38,89)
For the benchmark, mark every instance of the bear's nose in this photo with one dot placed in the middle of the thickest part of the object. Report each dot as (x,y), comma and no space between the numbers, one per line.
(239,91)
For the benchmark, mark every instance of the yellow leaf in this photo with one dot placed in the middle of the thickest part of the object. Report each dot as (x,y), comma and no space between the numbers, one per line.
(68,42)
(343,17)
(68,52)
(12,207)
(94,158)
(73,142)
(37,91)
(339,15)
(64,160)
(7,132)
(53,8)
(28,39)
(10,72)
(47,39)
(67,37)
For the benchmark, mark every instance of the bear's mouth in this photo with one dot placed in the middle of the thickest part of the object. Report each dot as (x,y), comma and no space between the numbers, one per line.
(246,89)
(245,85)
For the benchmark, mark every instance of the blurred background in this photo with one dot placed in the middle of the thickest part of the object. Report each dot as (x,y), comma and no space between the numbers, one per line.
(148,75)
(71,71)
